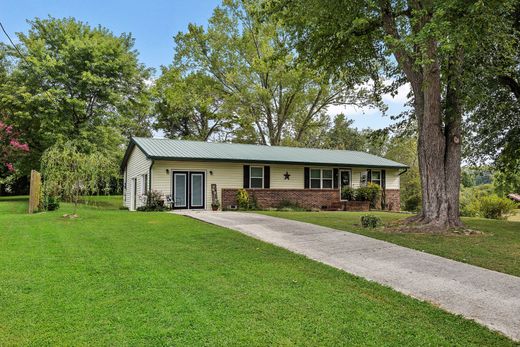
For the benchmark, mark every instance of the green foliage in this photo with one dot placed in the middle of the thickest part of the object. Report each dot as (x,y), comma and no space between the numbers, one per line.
(371,192)
(51,203)
(403,149)
(190,106)
(470,199)
(495,207)
(250,64)
(467,179)
(371,221)
(76,82)
(412,203)
(243,199)
(68,173)
(154,202)
(507,181)
(348,193)
(343,136)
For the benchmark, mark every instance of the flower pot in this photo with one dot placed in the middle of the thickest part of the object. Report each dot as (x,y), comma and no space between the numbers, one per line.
(214,207)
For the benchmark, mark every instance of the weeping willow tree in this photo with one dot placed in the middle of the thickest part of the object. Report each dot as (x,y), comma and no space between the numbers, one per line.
(69,173)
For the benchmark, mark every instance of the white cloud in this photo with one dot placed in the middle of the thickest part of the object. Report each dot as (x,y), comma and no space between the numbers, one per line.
(401,96)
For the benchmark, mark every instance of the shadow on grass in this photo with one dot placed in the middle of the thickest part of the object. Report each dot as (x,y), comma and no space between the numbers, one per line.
(14,198)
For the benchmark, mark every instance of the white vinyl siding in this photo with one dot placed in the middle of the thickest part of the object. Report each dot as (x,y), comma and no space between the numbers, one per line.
(230,175)
(137,166)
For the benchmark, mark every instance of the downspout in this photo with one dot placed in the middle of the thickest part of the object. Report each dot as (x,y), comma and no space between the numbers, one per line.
(150,176)
(400,173)
(125,183)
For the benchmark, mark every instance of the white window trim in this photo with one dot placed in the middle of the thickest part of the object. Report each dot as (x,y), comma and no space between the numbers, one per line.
(251,176)
(379,179)
(321,178)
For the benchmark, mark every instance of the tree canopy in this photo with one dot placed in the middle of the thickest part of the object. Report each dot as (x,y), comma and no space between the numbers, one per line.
(74,82)
(251,76)
(432,45)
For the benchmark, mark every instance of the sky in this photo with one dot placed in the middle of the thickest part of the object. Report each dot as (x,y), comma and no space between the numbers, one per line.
(153,25)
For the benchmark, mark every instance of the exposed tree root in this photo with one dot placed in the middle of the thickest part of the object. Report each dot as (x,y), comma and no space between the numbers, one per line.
(424,225)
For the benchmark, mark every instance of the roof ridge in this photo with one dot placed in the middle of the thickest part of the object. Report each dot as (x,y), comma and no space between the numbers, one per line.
(255,145)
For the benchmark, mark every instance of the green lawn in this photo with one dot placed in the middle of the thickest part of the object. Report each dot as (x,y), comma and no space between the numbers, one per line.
(497,248)
(113,277)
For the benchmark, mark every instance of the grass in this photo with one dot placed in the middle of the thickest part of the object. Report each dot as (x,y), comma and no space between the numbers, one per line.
(497,248)
(113,277)
(515,217)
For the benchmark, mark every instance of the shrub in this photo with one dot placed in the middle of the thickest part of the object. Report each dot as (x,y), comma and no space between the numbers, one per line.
(370,221)
(51,203)
(413,203)
(469,203)
(242,199)
(362,194)
(153,202)
(371,192)
(348,193)
(495,207)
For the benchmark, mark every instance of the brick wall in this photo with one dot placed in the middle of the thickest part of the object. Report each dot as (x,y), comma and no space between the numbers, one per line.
(393,199)
(307,198)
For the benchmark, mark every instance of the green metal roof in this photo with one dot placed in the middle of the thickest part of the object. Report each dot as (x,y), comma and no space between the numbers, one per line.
(167,149)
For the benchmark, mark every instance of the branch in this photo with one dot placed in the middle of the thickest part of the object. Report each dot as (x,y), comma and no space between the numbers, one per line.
(512,84)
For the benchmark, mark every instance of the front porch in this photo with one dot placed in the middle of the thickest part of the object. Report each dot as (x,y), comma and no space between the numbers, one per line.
(322,199)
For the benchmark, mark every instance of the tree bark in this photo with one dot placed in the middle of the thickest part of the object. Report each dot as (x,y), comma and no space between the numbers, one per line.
(439,138)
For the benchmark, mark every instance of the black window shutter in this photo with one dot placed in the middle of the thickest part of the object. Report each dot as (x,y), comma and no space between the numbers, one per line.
(306,177)
(246,176)
(267,177)
(383,179)
(336,176)
(369,175)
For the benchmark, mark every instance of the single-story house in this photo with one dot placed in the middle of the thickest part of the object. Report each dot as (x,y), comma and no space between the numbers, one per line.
(192,174)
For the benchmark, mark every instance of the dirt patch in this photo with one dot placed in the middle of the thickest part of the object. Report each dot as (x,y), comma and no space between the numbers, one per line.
(400,227)
(70,216)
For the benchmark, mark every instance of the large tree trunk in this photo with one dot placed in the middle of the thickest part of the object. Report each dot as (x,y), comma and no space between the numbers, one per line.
(439,148)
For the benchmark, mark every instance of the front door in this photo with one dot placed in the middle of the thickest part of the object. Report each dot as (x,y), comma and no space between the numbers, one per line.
(188,189)
(344,180)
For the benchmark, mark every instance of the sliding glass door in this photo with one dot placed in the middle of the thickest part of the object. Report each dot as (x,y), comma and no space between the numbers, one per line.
(188,189)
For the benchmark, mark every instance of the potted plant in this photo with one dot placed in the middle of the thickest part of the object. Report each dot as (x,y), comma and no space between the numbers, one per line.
(215,205)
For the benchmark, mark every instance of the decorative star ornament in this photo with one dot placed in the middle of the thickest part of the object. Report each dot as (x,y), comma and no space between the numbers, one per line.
(286,175)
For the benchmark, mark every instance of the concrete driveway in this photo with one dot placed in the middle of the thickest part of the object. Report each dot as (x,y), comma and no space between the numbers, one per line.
(489,297)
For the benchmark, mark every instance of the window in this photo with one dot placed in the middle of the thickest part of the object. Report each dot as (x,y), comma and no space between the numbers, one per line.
(256,177)
(321,178)
(144,184)
(376,177)
(363,178)
(315,178)
(326,179)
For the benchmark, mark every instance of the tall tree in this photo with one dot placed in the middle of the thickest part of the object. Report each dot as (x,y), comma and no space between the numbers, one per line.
(343,136)
(73,81)
(494,104)
(275,96)
(431,41)
(190,106)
